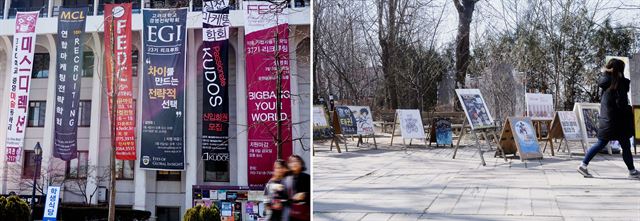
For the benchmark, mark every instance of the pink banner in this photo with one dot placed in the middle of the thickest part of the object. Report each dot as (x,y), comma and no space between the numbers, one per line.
(24,42)
(265,25)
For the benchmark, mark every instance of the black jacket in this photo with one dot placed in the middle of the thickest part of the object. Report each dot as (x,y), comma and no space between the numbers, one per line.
(616,117)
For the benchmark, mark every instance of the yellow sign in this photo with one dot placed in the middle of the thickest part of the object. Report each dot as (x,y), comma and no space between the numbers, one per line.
(636,114)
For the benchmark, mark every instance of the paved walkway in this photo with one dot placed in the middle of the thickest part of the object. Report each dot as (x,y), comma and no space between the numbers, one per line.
(424,183)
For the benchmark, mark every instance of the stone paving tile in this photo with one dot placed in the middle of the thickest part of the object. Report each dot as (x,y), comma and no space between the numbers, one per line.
(425,183)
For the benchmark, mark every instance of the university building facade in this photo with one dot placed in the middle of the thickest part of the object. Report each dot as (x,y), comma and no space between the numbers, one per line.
(166,194)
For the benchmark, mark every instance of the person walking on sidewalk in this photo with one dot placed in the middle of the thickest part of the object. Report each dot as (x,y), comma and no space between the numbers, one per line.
(616,118)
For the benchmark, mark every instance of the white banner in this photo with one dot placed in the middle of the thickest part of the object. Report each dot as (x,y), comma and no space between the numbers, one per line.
(24,41)
(51,205)
(411,126)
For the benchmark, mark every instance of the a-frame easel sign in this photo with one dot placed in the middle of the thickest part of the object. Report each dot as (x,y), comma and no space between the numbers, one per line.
(441,132)
(411,126)
(519,132)
(322,129)
(565,127)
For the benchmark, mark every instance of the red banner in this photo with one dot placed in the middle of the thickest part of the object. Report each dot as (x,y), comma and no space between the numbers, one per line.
(265,26)
(117,44)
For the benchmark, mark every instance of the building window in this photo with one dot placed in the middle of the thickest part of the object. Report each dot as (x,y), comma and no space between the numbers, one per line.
(31,5)
(84,114)
(87,65)
(167,213)
(135,5)
(40,65)
(37,110)
(29,165)
(134,62)
(124,169)
(216,171)
(164,175)
(77,168)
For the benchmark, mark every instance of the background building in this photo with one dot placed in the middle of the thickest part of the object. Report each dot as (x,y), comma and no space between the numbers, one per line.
(166,194)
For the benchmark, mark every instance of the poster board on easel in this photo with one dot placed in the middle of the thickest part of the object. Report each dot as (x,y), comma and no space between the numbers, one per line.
(518,132)
(360,122)
(479,119)
(322,129)
(588,116)
(411,127)
(441,132)
(565,127)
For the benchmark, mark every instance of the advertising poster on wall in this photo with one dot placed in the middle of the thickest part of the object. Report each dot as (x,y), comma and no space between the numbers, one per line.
(70,48)
(267,79)
(411,126)
(164,44)
(569,124)
(363,119)
(636,116)
(525,137)
(346,120)
(215,74)
(117,35)
(475,108)
(539,106)
(24,42)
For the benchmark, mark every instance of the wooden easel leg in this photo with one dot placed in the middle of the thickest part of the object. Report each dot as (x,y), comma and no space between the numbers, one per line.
(410,141)
(375,144)
(359,141)
(479,149)
(566,143)
(455,150)
(393,128)
(495,137)
(583,147)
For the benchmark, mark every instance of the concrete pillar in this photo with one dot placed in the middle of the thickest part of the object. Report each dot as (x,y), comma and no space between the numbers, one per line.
(96,114)
(47,135)
(191,106)
(140,175)
(7,6)
(241,108)
(6,44)
(50,8)
(297,130)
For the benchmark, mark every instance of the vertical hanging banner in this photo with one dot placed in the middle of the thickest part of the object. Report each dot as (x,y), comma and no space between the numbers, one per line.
(70,44)
(24,41)
(117,35)
(214,66)
(164,44)
(267,38)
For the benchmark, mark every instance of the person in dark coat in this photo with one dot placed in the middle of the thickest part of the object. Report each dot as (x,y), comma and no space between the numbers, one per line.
(616,118)
(299,188)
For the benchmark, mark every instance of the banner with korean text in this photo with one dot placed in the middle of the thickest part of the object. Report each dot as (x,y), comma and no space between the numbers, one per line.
(267,55)
(164,44)
(214,68)
(117,35)
(70,45)
(24,42)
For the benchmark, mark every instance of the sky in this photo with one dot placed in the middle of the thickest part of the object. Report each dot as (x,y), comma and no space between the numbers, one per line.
(492,12)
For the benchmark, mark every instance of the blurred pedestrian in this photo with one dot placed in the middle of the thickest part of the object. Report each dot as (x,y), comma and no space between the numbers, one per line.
(277,197)
(299,189)
(616,118)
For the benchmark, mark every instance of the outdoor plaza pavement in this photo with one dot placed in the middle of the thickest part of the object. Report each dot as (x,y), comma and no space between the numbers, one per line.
(425,183)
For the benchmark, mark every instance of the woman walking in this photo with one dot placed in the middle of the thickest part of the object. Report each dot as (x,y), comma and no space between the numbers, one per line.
(277,197)
(616,118)
(299,187)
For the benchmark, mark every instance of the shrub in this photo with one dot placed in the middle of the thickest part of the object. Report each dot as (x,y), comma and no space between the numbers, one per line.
(203,213)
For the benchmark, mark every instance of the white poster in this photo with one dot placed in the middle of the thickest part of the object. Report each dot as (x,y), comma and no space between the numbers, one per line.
(364,120)
(475,108)
(319,117)
(626,72)
(24,42)
(411,126)
(539,106)
(570,126)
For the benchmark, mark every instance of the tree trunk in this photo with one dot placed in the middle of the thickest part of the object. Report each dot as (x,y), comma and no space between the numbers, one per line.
(463,55)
